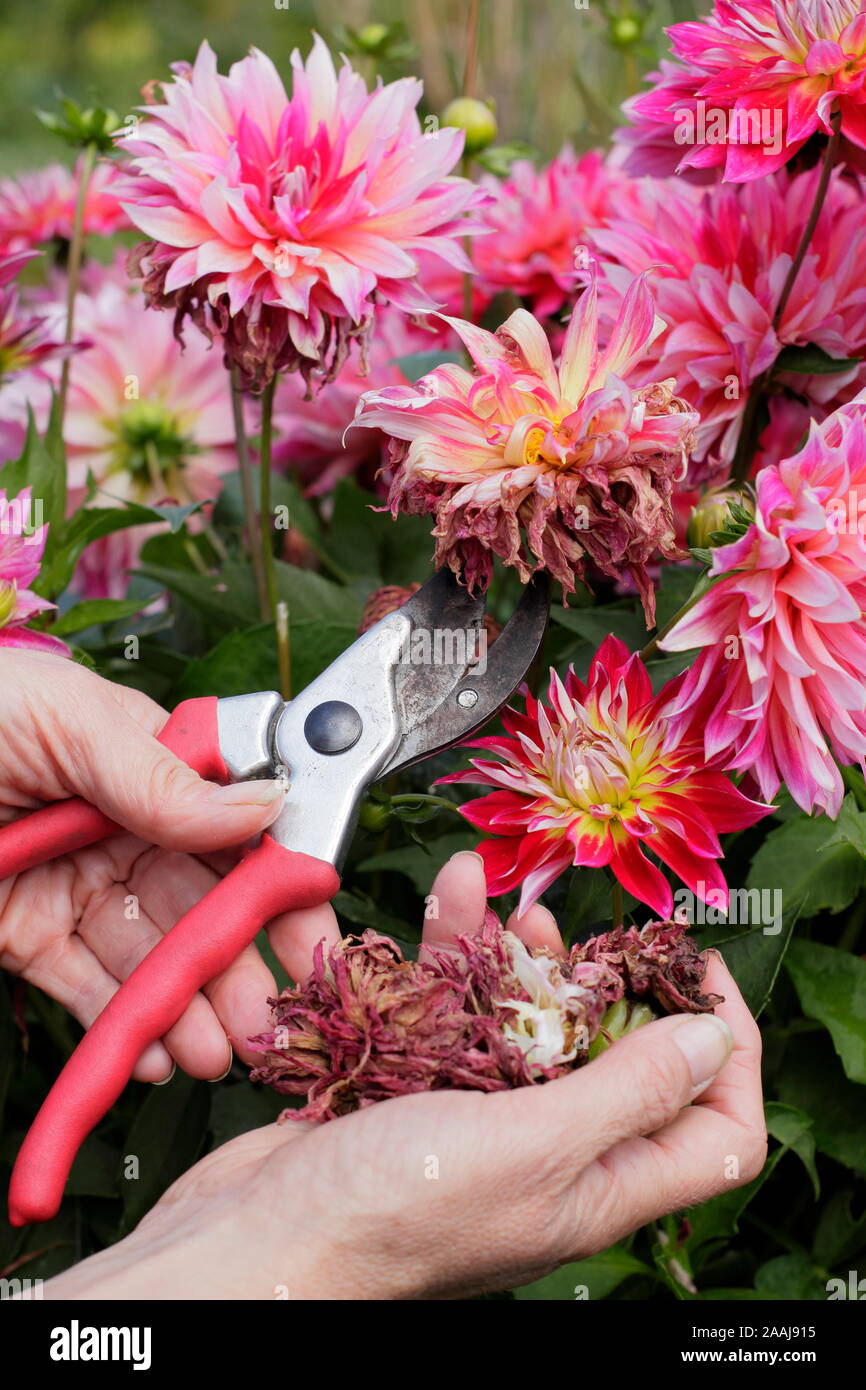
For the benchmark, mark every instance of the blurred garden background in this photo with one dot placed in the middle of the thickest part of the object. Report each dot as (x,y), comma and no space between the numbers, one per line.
(556,70)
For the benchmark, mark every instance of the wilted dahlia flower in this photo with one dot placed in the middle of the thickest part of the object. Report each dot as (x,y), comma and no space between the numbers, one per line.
(595,778)
(547,468)
(778,687)
(726,254)
(285,216)
(310,431)
(146,419)
(39,206)
(22,543)
(537,218)
(759,80)
(489,1015)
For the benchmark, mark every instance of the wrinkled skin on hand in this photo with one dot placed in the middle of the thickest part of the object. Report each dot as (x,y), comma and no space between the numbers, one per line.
(78,926)
(445,1194)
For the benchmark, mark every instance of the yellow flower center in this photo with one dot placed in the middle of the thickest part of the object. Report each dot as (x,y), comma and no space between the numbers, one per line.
(8,601)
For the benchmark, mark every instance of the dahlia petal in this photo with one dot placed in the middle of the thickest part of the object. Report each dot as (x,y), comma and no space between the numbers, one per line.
(215,256)
(175,226)
(26,638)
(701,875)
(641,878)
(579,350)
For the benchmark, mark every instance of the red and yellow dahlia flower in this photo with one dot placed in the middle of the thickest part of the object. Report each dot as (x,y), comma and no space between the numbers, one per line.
(595,778)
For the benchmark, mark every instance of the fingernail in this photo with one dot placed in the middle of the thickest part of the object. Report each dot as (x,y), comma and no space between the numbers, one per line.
(166,1079)
(214,1079)
(706,1043)
(256,793)
(469,854)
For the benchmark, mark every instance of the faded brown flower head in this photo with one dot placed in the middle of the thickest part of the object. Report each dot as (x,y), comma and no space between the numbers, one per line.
(488,1016)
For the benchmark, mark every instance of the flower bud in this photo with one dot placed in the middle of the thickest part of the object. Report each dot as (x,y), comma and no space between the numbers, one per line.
(625,30)
(475,118)
(713,514)
(371,37)
(82,126)
(374,815)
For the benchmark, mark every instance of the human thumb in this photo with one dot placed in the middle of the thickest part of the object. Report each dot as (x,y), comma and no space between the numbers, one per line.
(637,1086)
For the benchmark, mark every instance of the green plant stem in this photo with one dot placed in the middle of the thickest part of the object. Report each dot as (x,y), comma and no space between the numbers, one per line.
(284,650)
(342,576)
(265,519)
(854,925)
(248,491)
(652,646)
(827,165)
(197,562)
(747,441)
(427,799)
(76,255)
(617,904)
(853,780)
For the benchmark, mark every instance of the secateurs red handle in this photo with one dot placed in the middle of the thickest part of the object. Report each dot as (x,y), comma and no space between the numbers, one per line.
(267,881)
(191,732)
(371,713)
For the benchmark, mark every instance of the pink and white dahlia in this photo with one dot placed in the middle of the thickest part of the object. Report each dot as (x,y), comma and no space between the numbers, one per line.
(649,145)
(311,431)
(535,222)
(778,684)
(22,543)
(724,256)
(288,217)
(28,339)
(39,206)
(147,419)
(595,778)
(759,80)
(548,468)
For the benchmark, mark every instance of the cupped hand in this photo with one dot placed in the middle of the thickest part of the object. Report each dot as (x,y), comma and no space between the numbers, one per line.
(453,1193)
(78,926)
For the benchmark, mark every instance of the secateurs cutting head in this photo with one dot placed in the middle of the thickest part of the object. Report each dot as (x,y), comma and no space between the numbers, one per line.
(420,681)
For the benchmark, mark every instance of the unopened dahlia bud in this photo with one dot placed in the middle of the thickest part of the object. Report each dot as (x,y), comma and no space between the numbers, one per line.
(374,815)
(371,37)
(721,511)
(625,30)
(475,118)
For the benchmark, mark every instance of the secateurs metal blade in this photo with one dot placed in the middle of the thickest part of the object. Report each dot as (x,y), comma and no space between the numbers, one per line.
(418,682)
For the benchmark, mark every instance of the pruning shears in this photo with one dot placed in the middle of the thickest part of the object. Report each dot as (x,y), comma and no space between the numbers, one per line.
(390,700)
